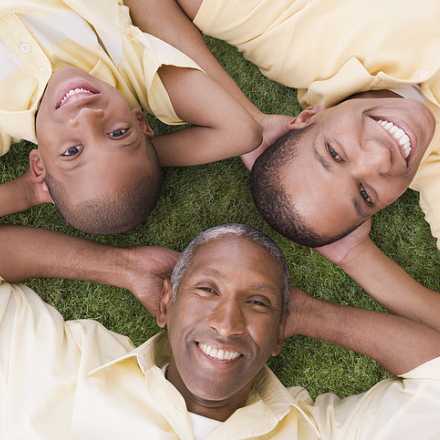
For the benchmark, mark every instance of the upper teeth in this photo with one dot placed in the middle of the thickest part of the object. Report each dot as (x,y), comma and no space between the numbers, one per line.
(218,353)
(73,92)
(401,137)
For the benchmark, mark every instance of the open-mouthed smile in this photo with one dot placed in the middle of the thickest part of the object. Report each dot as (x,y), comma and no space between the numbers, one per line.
(75,94)
(218,353)
(399,135)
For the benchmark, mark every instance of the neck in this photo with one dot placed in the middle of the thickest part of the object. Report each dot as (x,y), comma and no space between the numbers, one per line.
(219,410)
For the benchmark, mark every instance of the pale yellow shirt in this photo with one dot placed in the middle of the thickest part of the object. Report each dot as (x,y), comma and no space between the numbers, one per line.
(332,49)
(77,380)
(97,36)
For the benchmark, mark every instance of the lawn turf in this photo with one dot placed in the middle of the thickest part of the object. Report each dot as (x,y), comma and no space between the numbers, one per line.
(196,198)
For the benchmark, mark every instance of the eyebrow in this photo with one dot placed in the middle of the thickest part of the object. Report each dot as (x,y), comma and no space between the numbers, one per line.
(258,286)
(325,163)
(272,290)
(211,271)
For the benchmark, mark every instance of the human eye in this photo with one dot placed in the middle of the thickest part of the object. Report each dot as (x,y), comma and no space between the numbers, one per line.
(259,303)
(206,290)
(364,194)
(72,151)
(333,153)
(119,133)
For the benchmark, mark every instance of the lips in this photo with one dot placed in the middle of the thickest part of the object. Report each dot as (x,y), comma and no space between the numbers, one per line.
(219,354)
(75,92)
(399,135)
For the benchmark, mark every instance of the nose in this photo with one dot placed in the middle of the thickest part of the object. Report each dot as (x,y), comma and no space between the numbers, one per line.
(227,319)
(372,160)
(87,116)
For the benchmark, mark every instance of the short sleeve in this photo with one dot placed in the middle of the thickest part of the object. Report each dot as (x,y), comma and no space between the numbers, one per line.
(31,333)
(157,53)
(427,182)
(5,143)
(400,409)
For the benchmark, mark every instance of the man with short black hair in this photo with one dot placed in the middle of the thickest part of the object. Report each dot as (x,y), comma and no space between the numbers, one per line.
(225,311)
(367,75)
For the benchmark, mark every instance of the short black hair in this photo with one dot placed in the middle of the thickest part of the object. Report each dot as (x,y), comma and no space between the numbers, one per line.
(119,213)
(272,198)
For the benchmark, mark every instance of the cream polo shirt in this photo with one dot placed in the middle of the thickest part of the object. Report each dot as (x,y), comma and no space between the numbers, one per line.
(97,36)
(332,49)
(77,380)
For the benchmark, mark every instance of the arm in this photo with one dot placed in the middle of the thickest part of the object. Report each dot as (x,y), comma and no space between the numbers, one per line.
(28,253)
(150,16)
(383,279)
(222,128)
(165,20)
(397,343)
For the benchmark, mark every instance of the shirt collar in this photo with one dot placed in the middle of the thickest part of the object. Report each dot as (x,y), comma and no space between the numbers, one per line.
(269,402)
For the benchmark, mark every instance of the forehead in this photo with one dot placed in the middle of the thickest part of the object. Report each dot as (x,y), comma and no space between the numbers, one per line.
(235,258)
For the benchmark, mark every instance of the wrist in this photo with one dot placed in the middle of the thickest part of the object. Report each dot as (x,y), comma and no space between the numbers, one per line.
(103,264)
(26,189)
(127,268)
(300,313)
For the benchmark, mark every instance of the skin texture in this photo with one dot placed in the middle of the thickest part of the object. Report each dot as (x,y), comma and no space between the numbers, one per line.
(349,167)
(230,309)
(93,145)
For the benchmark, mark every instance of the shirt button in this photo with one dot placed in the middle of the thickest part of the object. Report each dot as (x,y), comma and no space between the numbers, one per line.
(25,47)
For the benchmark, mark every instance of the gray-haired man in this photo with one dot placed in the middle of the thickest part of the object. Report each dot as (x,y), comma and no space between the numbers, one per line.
(227,312)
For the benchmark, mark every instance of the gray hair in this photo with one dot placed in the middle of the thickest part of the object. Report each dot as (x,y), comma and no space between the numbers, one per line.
(237,230)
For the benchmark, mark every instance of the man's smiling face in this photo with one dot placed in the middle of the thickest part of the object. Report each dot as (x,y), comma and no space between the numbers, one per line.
(355,159)
(226,320)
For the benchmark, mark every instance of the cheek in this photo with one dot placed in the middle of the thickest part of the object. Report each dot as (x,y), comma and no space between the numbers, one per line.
(391,190)
(265,335)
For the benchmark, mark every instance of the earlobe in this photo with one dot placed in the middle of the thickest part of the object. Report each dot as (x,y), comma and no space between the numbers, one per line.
(36,166)
(278,347)
(306,118)
(166,298)
(280,341)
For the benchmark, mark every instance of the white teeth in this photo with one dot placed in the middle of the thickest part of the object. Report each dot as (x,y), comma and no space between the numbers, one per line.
(399,135)
(73,92)
(218,353)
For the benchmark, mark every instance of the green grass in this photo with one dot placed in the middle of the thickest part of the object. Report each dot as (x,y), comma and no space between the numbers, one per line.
(196,198)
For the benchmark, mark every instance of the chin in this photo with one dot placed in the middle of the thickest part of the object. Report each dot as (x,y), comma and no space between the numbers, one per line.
(211,395)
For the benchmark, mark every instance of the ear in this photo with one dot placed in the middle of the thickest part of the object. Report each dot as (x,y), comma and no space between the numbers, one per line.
(144,124)
(281,335)
(37,172)
(305,118)
(165,301)
(36,166)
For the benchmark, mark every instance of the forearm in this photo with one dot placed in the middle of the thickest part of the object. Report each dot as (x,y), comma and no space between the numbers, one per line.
(15,196)
(222,129)
(390,285)
(198,146)
(28,253)
(396,343)
(166,20)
